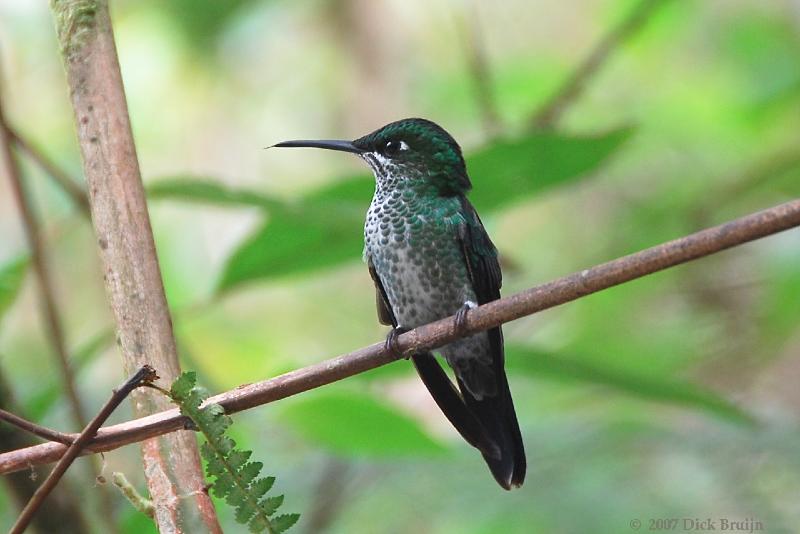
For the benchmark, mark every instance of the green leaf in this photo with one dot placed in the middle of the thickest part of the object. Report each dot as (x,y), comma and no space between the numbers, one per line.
(283,522)
(238,459)
(235,478)
(201,22)
(296,241)
(244,512)
(208,191)
(262,485)
(512,170)
(249,471)
(326,228)
(358,424)
(11,276)
(269,506)
(545,365)
(183,385)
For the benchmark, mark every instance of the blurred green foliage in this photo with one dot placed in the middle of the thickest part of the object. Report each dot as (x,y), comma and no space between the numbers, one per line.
(374,429)
(539,364)
(671,396)
(11,277)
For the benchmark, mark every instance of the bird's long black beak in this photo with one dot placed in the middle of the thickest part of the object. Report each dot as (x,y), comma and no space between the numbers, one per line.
(327,144)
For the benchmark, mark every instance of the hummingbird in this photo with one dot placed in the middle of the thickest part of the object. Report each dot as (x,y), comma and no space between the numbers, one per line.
(430,257)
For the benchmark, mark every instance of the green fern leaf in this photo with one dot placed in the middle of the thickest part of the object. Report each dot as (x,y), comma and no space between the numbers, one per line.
(250,471)
(183,385)
(259,523)
(236,478)
(270,506)
(282,523)
(245,512)
(237,458)
(262,486)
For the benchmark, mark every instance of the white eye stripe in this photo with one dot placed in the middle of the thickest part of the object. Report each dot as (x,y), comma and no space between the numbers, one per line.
(403,145)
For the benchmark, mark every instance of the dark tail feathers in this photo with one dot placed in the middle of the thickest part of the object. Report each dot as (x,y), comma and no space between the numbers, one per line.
(489,424)
(497,416)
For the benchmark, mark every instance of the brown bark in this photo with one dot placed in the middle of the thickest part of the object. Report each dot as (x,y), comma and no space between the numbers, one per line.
(132,276)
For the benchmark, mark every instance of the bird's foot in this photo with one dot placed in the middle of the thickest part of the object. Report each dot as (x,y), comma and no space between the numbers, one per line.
(461,316)
(392,345)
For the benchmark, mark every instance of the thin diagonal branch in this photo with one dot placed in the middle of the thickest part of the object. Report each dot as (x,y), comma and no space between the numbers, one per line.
(65,512)
(145,375)
(36,430)
(71,188)
(330,494)
(442,332)
(480,71)
(49,310)
(53,324)
(551,111)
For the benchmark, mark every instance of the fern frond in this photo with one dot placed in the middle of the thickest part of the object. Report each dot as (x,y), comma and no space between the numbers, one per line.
(236,477)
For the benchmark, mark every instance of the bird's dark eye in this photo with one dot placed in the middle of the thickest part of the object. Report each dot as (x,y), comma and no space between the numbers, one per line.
(391,148)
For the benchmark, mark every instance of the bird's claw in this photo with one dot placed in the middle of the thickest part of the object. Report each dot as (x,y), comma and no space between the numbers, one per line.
(392,344)
(461,316)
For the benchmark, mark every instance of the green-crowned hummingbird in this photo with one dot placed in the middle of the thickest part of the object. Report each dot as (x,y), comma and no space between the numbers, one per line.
(430,257)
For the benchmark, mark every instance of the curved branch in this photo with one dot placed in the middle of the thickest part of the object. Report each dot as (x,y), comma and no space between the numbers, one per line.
(52,321)
(430,336)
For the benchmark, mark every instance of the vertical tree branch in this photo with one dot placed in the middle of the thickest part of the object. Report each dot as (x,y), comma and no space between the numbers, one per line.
(132,276)
(551,111)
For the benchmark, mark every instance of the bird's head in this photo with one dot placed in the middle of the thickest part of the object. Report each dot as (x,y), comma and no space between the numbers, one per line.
(407,152)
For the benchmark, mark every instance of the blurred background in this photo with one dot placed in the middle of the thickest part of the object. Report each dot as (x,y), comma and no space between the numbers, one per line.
(674,396)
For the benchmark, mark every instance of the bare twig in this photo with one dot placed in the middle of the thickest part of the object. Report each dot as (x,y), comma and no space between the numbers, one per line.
(770,167)
(479,69)
(36,430)
(442,332)
(123,232)
(139,502)
(71,188)
(329,495)
(65,510)
(144,375)
(551,111)
(33,235)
